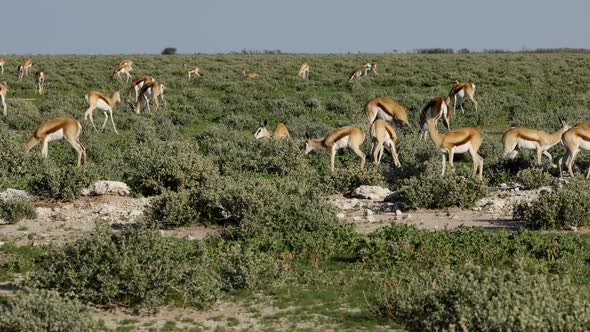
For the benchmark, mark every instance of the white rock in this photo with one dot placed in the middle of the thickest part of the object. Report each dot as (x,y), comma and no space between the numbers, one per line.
(398,213)
(12,193)
(345,204)
(477,208)
(371,192)
(356,219)
(2,243)
(340,216)
(105,209)
(370,219)
(134,213)
(368,212)
(574,228)
(103,187)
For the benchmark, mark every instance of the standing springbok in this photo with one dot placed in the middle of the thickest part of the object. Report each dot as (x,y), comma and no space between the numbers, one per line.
(436,109)
(124,67)
(24,68)
(382,133)
(138,83)
(2,62)
(387,109)
(356,74)
(249,75)
(573,140)
(369,68)
(340,138)
(55,129)
(515,139)
(3,91)
(98,100)
(280,131)
(304,70)
(462,89)
(40,81)
(153,90)
(456,142)
(192,70)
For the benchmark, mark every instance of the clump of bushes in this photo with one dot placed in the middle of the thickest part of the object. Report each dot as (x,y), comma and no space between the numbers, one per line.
(562,209)
(17,208)
(484,300)
(131,268)
(43,310)
(63,183)
(433,191)
(533,178)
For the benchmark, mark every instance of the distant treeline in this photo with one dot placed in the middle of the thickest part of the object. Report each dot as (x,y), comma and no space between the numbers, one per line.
(420,51)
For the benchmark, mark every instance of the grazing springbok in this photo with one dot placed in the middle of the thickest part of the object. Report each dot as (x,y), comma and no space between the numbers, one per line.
(340,138)
(436,109)
(98,100)
(462,89)
(573,140)
(40,81)
(383,134)
(387,109)
(356,74)
(304,70)
(138,83)
(2,62)
(280,131)
(124,67)
(369,68)
(457,142)
(24,68)
(55,129)
(515,139)
(3,91)
(192,70)
(153,90)
(249,75)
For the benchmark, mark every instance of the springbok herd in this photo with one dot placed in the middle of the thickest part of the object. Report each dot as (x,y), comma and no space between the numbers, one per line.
(381,113)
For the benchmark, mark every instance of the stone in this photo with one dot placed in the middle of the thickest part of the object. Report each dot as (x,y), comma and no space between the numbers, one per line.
(105,209)
(375,193)
(356,219)
(104,187)
(398,213)
(13,193)
(345,204)
(368,212)
(340,216)
(370,219)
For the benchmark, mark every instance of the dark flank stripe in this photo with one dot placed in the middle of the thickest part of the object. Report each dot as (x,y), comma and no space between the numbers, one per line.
(465,140)
(584,137)
(528,138)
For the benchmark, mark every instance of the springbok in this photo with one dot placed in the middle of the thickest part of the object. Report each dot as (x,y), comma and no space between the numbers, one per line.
(280,131)
(55,129)
(2,62)
(249,75)
(356,74)
(40,81)
(304,70)
(340,138)
(457,142)
(192,70)
(462,89)
(98,100)
(138,83)
(436,109)
(3,91)
(369,68)
(515,139)
(24,68)
(573,140)
(124,67)
(387,109)
(383,134)
(153,90)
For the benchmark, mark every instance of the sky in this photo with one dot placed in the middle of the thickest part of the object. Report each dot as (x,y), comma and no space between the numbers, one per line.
(303,26)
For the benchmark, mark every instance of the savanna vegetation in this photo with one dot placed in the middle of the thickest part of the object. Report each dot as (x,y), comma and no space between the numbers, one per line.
(198,161)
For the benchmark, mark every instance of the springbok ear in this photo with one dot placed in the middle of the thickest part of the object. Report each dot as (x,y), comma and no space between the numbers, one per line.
(306,135)
(265,122)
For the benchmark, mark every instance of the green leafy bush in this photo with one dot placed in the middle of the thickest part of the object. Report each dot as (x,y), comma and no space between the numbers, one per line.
(485,300)
(17,208)
(43,310)
(533,178)
(431,190)
(562,209)
(63,183)
(132,268)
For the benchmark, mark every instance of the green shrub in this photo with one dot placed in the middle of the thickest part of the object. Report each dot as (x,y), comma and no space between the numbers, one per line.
(132,268)
(15,209)
(562,209)
(172,209)
(156,167)
(243,266)
(485,300)
(42,310)
(431,190)
(61,183)
(533,178)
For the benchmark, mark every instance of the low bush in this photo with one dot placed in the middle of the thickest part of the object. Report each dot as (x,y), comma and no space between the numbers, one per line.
(64,183)
(17,208)
(484,300)
(131,268)
(433,191)
(43,310)
(533,178)
(562,209)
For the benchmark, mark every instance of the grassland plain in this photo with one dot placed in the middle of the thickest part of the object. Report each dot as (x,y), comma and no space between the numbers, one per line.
(282,252)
